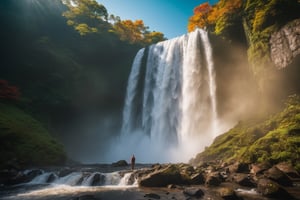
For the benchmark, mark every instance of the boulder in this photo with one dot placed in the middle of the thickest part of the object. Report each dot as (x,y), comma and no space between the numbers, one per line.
(197,179)
(213,179)
(120,163)
(259,168)
(239,168)
(278,176)
(33,173)
(51,178)
(163,177)
(243,180)
(186,169)
(98,179)
(272,189)
(288,169)
(228,193)
(193,192)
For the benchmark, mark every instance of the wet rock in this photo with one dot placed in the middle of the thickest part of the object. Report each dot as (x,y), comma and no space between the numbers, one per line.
(33,173)
(152,195)
(51,178)
(228,193)
(239,168)
(272,189)
(171,186)
(98,179)
(213,179)
(288,169)
(193,192)
(65,172)
(224,173)
(259,168)
(278,176)
(197,179)
(162,177)
(243,180)
(120,163)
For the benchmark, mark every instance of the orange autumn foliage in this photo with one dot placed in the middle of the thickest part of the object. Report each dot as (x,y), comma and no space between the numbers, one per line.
(130,30)
(199,19)
(206,15)
(8,92)
(135,32)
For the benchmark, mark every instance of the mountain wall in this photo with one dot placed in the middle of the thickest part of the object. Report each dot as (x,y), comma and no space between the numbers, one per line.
(285,44)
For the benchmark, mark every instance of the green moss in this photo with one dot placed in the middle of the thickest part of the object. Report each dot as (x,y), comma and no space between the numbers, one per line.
(24,141)
(272,139)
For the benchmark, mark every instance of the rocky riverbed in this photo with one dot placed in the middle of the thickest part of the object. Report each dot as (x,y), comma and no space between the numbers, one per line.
(215,181)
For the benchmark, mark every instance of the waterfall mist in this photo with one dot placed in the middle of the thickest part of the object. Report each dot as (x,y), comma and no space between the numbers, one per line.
(170,111)
(181,94)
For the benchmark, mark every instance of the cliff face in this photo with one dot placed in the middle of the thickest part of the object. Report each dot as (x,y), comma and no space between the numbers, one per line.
(285,44)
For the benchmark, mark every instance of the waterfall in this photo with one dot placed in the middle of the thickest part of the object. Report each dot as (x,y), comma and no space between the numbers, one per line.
(171,98)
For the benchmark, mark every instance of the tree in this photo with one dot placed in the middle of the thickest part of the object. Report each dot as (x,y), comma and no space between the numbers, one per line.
(154,37)
(217,17)
(135,32)
(200,17)
(86,16)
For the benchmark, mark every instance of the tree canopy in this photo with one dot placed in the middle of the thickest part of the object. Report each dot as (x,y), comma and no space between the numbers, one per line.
(217,17)
(135,31)
(90,17)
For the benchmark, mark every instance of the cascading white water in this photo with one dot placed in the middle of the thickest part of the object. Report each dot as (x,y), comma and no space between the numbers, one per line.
(41,179)
(199,111)
(172,102)
(87,179)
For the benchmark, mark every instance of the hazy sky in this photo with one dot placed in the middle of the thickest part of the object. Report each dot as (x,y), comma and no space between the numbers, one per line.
(167,16)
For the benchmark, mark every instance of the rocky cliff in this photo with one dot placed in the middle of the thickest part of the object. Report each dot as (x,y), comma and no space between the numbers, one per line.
(285,44)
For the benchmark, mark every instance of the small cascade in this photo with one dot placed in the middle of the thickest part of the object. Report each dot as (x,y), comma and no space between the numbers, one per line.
(86,179)
(71,179)
(127,180)
(43,178)
(112,178)
(94,179)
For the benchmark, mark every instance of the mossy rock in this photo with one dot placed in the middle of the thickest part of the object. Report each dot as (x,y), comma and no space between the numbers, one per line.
(25,142)
(273,139)
(169,174)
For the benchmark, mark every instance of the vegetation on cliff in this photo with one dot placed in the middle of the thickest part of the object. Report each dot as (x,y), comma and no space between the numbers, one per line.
(90,17)
(274,139)
(253,21)
(24,141)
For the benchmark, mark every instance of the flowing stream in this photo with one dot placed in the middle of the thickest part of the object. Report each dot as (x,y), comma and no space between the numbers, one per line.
(66,183)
